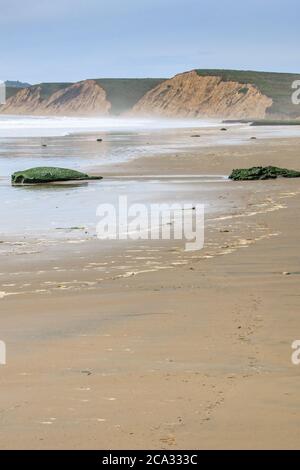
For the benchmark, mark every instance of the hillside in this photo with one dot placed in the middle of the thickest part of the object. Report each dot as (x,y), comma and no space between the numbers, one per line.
(277,86)
(124,93)
(226,94)
(89,97)
(191,95)
(12,87)
(16,84)
(48,89)
(11,91)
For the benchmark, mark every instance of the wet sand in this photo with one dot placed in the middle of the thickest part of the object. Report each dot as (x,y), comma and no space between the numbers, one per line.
(144,345)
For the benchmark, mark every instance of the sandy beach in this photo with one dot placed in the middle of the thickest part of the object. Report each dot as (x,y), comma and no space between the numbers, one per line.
(140,344)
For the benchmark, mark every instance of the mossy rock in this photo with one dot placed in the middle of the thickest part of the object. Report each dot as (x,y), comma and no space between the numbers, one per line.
(45,174)
(262,173)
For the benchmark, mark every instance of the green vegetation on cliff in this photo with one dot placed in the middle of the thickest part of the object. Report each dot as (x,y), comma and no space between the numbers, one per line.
(47,89)
(124,93)
(11,91)
(12,87)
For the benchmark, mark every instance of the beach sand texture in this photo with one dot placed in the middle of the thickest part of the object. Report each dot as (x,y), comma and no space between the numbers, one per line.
(143,345)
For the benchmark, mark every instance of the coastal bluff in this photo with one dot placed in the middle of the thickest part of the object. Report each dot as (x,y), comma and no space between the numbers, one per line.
(219,94)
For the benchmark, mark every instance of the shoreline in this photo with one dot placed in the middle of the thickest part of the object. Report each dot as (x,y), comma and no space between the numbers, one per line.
(217,160)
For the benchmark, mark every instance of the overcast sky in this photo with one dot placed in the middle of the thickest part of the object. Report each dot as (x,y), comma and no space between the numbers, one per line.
(70,40)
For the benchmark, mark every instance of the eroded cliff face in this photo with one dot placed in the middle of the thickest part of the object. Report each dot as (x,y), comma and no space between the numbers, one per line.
(186,95)
(23,102)
(191,95)
(85,98)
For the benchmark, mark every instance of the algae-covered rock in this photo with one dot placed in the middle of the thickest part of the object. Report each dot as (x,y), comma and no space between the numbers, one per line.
(262,173)
(49,174)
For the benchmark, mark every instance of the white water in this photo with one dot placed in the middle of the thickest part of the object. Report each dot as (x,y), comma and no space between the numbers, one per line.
(36,126)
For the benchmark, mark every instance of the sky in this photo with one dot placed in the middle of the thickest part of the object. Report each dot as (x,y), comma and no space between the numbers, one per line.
(71,40)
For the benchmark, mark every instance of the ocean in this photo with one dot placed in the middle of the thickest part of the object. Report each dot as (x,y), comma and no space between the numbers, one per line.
(50,211)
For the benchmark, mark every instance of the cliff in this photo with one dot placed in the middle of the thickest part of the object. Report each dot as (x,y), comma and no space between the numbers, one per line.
(227,94)
(83,98)
(98,97)
(191,95)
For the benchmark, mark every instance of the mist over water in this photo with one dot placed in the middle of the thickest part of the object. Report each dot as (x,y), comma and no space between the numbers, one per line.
(36,126)
(28,141)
